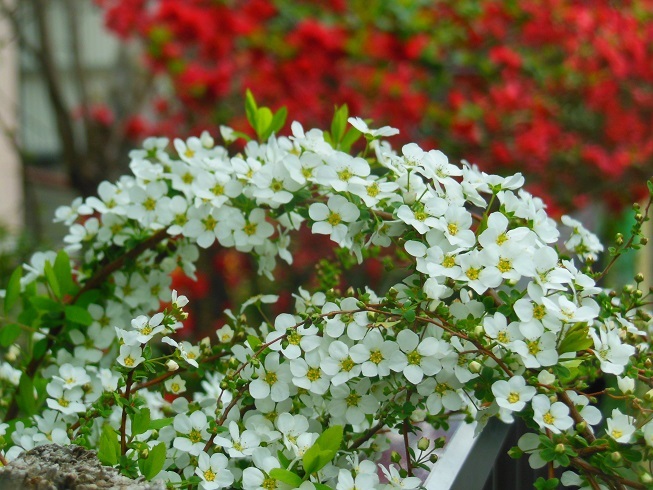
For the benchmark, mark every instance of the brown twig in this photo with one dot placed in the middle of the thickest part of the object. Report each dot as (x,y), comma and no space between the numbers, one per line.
(409,465)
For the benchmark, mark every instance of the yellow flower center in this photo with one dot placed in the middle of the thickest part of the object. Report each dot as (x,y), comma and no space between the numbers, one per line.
(345,175)
(453,228)
(217,189)
(334,218)
(129,361)
(352,399)
(209,475)
(210,223)
(539,311)
(513,397)
(472,273)
(505,265)
(149,204)
(187,178)
(548,418)
(376,357)
(294,338)
(250,229)
(533,347)
(195,436)
(414,358)
(373,190)
(270,378)
(347,364)
(313,374)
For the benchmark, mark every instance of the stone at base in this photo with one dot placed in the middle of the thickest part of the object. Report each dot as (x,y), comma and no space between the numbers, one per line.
(54,467)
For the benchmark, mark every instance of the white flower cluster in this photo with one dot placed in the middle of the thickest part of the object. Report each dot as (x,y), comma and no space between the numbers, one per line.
(349,361)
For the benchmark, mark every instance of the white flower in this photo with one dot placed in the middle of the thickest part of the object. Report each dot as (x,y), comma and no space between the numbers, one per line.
(374,354)
(513,394)
(213,471)
(330,218)
(240,444)
(257,477)
(194,432)
(620,427)
(537,351)
(308,374)
(353,403)
(339,363)
(71,376)
(551,416)
(416,359)
(396,481)
(175,384)
(273,379)
(130,356)
(647,432)
(362,126)
(610,351)
(66,401)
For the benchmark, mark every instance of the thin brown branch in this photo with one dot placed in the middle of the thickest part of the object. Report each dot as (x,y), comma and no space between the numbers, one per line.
(367,435)
(409,464)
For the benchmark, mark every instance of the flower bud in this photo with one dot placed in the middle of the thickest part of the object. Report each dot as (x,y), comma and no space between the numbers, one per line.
(205,343)
(648,363)
(395,457)
(648,396)
(145,453)
(172,365)
(646,478)
(423,444)
(479,330)
(639,277)
(560,448)
(515,452)
(233,363)
(581,426)
(626,384)
(639,217)
(434,458)
(615,456)
(643,240)
(475,367)
(638,293)
(619,239)
(546,378)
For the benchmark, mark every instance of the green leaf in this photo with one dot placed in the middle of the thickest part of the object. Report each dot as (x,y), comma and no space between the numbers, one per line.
(153,464)
(39,349)
(109,449)
(52,280)
(649,184)
(576,339)
(286,476)
(323,450)
(339,123)
(263,122)
(160,423)
(250,109)
(279,120)
(254,342)
(331,438)
(350,137)
(321,486)
(76,314)
(64,273)
(13,289)
(141,421)
(43,303)
(8,334)
(409,315)
(26,401)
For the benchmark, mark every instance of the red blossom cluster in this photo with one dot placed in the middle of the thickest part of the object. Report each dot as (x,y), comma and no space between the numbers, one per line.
(561,90)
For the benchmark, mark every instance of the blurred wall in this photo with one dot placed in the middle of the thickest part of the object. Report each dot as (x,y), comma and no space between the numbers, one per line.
(11,189)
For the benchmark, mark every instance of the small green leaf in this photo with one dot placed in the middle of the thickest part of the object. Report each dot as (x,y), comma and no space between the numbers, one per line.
(64,273)
(8,334)
(254,342)
(141,421)
(409,315)
(76,314)
(263,122)
(43,303)
(40,348)
(649,184)
(321,486)
(109,448)
(13,289)
(160,423)
(323,450)
(52,280)
(576,339)
(339,123)
(331,438)
(250,109)
(350,137)
(153,464)
(26,400)
(279,120)
(286,476)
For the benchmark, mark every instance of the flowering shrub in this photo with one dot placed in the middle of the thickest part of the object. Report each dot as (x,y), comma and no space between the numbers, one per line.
(559,87)
(489,317)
